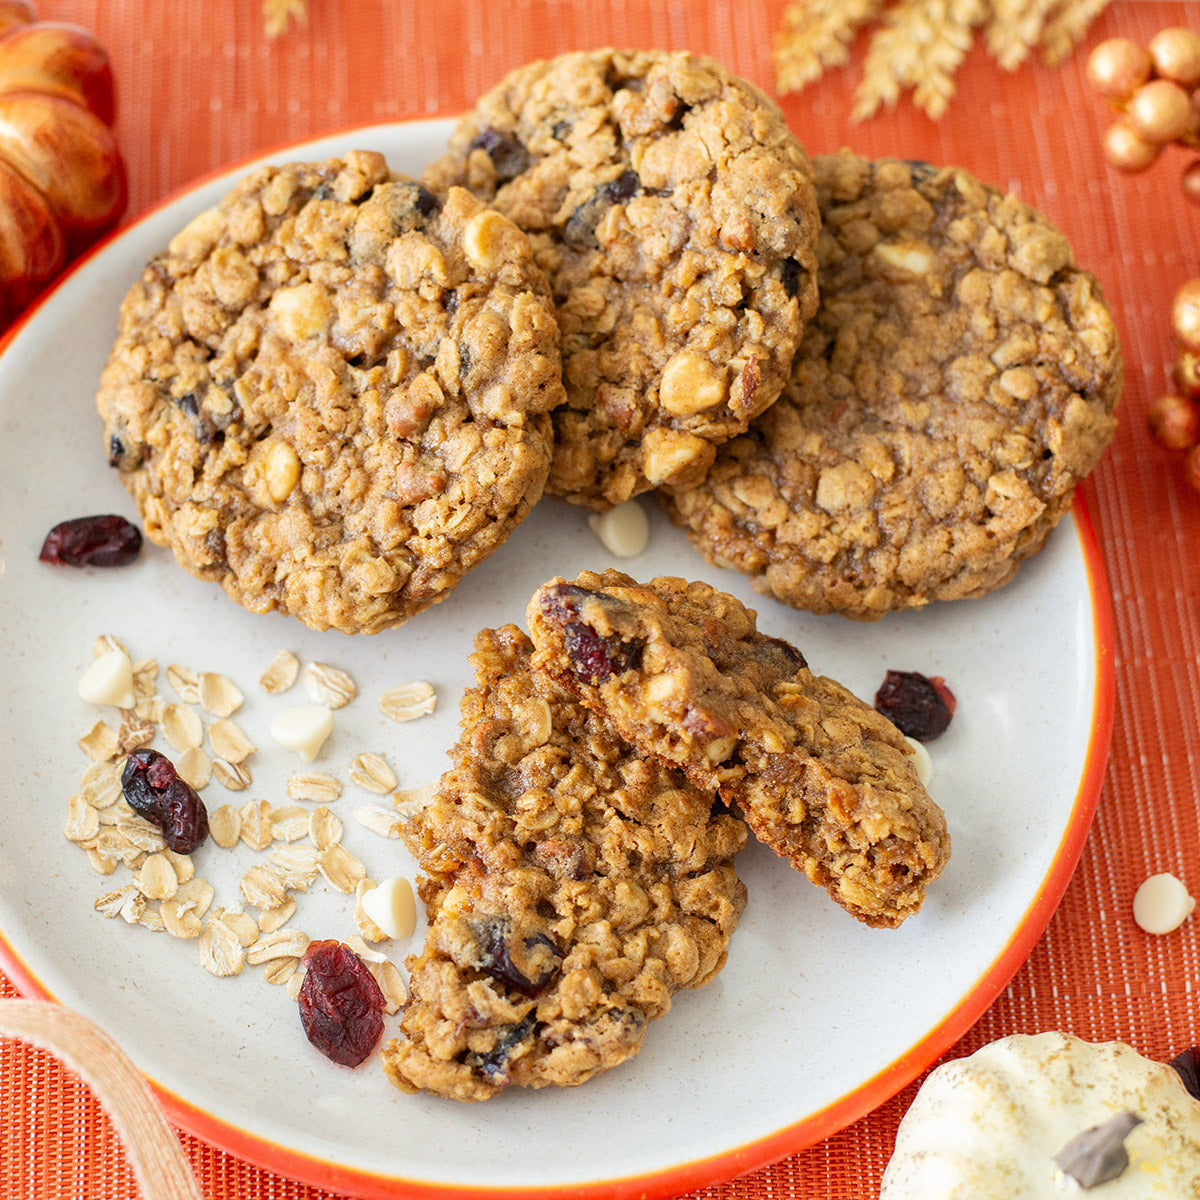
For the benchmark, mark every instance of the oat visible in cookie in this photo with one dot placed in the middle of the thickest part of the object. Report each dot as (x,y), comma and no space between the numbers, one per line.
(959,379)
(680,670)
(329,393)
(673,211)
(572,885)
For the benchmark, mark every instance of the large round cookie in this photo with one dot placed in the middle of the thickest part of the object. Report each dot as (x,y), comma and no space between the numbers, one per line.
(573,887)
(329,393)
(957,382)
(674,213)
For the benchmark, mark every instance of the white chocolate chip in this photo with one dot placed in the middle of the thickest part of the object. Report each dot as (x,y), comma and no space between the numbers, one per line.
(624,530)
(109,680)
(392,907)
(921,761)
(303,729)
(1162,904)
(692,383)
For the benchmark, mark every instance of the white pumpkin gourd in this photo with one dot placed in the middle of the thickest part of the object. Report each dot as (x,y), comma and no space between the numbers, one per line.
(989,1126)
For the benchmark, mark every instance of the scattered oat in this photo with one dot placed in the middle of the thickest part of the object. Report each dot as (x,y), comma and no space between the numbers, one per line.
(371,771)
(244,926)
(102,864)
(328,685)
(233,776)
(341,868)
(138,832)
(280,970)
(83,821)
(134,732)
(182,726)
(271,919)
(229,742)
(255,824)
(150,708)
(324,828)
(180,920)
(220,950)
(262,888)
(185,867)
(313,785)
(294,984)
(101,785)
(99,743)
(391,984)
(408,701)
(219,695)
(185,682)
(289,823)
(378,820)
(110,904)
(295,866)
(194,767)
(145,678)
(156,878)
(367,953)
(283,943)
(281,673)
(134,908)
(225,826)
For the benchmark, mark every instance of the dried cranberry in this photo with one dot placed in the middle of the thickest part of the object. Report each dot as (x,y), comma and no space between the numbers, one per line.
(493,1063)
(341,1006)
(1187,1067)
(101,541)
(917,705)
(526,965)
(154,790)
(593,656)
(624,187)
(789,276)
(509,156)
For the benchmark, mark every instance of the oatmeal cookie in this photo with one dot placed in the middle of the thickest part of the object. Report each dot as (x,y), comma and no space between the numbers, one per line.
(680,670)
(330,392)
(674,212)
(572,887)
(959,379)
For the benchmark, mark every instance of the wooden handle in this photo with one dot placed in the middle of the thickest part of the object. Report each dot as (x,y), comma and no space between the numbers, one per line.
(154,1151)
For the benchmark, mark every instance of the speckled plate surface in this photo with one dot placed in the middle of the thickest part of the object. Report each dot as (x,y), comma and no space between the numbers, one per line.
(815,1019)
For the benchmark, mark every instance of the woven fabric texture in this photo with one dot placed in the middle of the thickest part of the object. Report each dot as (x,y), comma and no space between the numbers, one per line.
(201,86)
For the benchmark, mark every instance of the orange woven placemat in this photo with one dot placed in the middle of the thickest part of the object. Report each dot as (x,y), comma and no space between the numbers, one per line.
(201,86)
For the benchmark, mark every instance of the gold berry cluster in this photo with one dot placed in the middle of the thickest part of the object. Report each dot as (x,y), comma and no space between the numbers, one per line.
(1154,90)
(1175,418)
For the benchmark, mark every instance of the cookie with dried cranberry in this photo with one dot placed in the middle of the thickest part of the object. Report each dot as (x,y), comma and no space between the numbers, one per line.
(958,380)
(674,212)
(330,392)
(572,886)
(680,670)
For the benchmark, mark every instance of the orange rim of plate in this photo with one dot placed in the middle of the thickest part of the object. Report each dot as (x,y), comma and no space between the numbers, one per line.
(816,1127)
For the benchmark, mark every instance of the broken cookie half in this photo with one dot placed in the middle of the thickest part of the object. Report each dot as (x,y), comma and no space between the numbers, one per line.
(680,670)
(573,885)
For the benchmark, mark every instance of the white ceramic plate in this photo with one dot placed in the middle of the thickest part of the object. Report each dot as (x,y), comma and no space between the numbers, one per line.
(814,1021)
